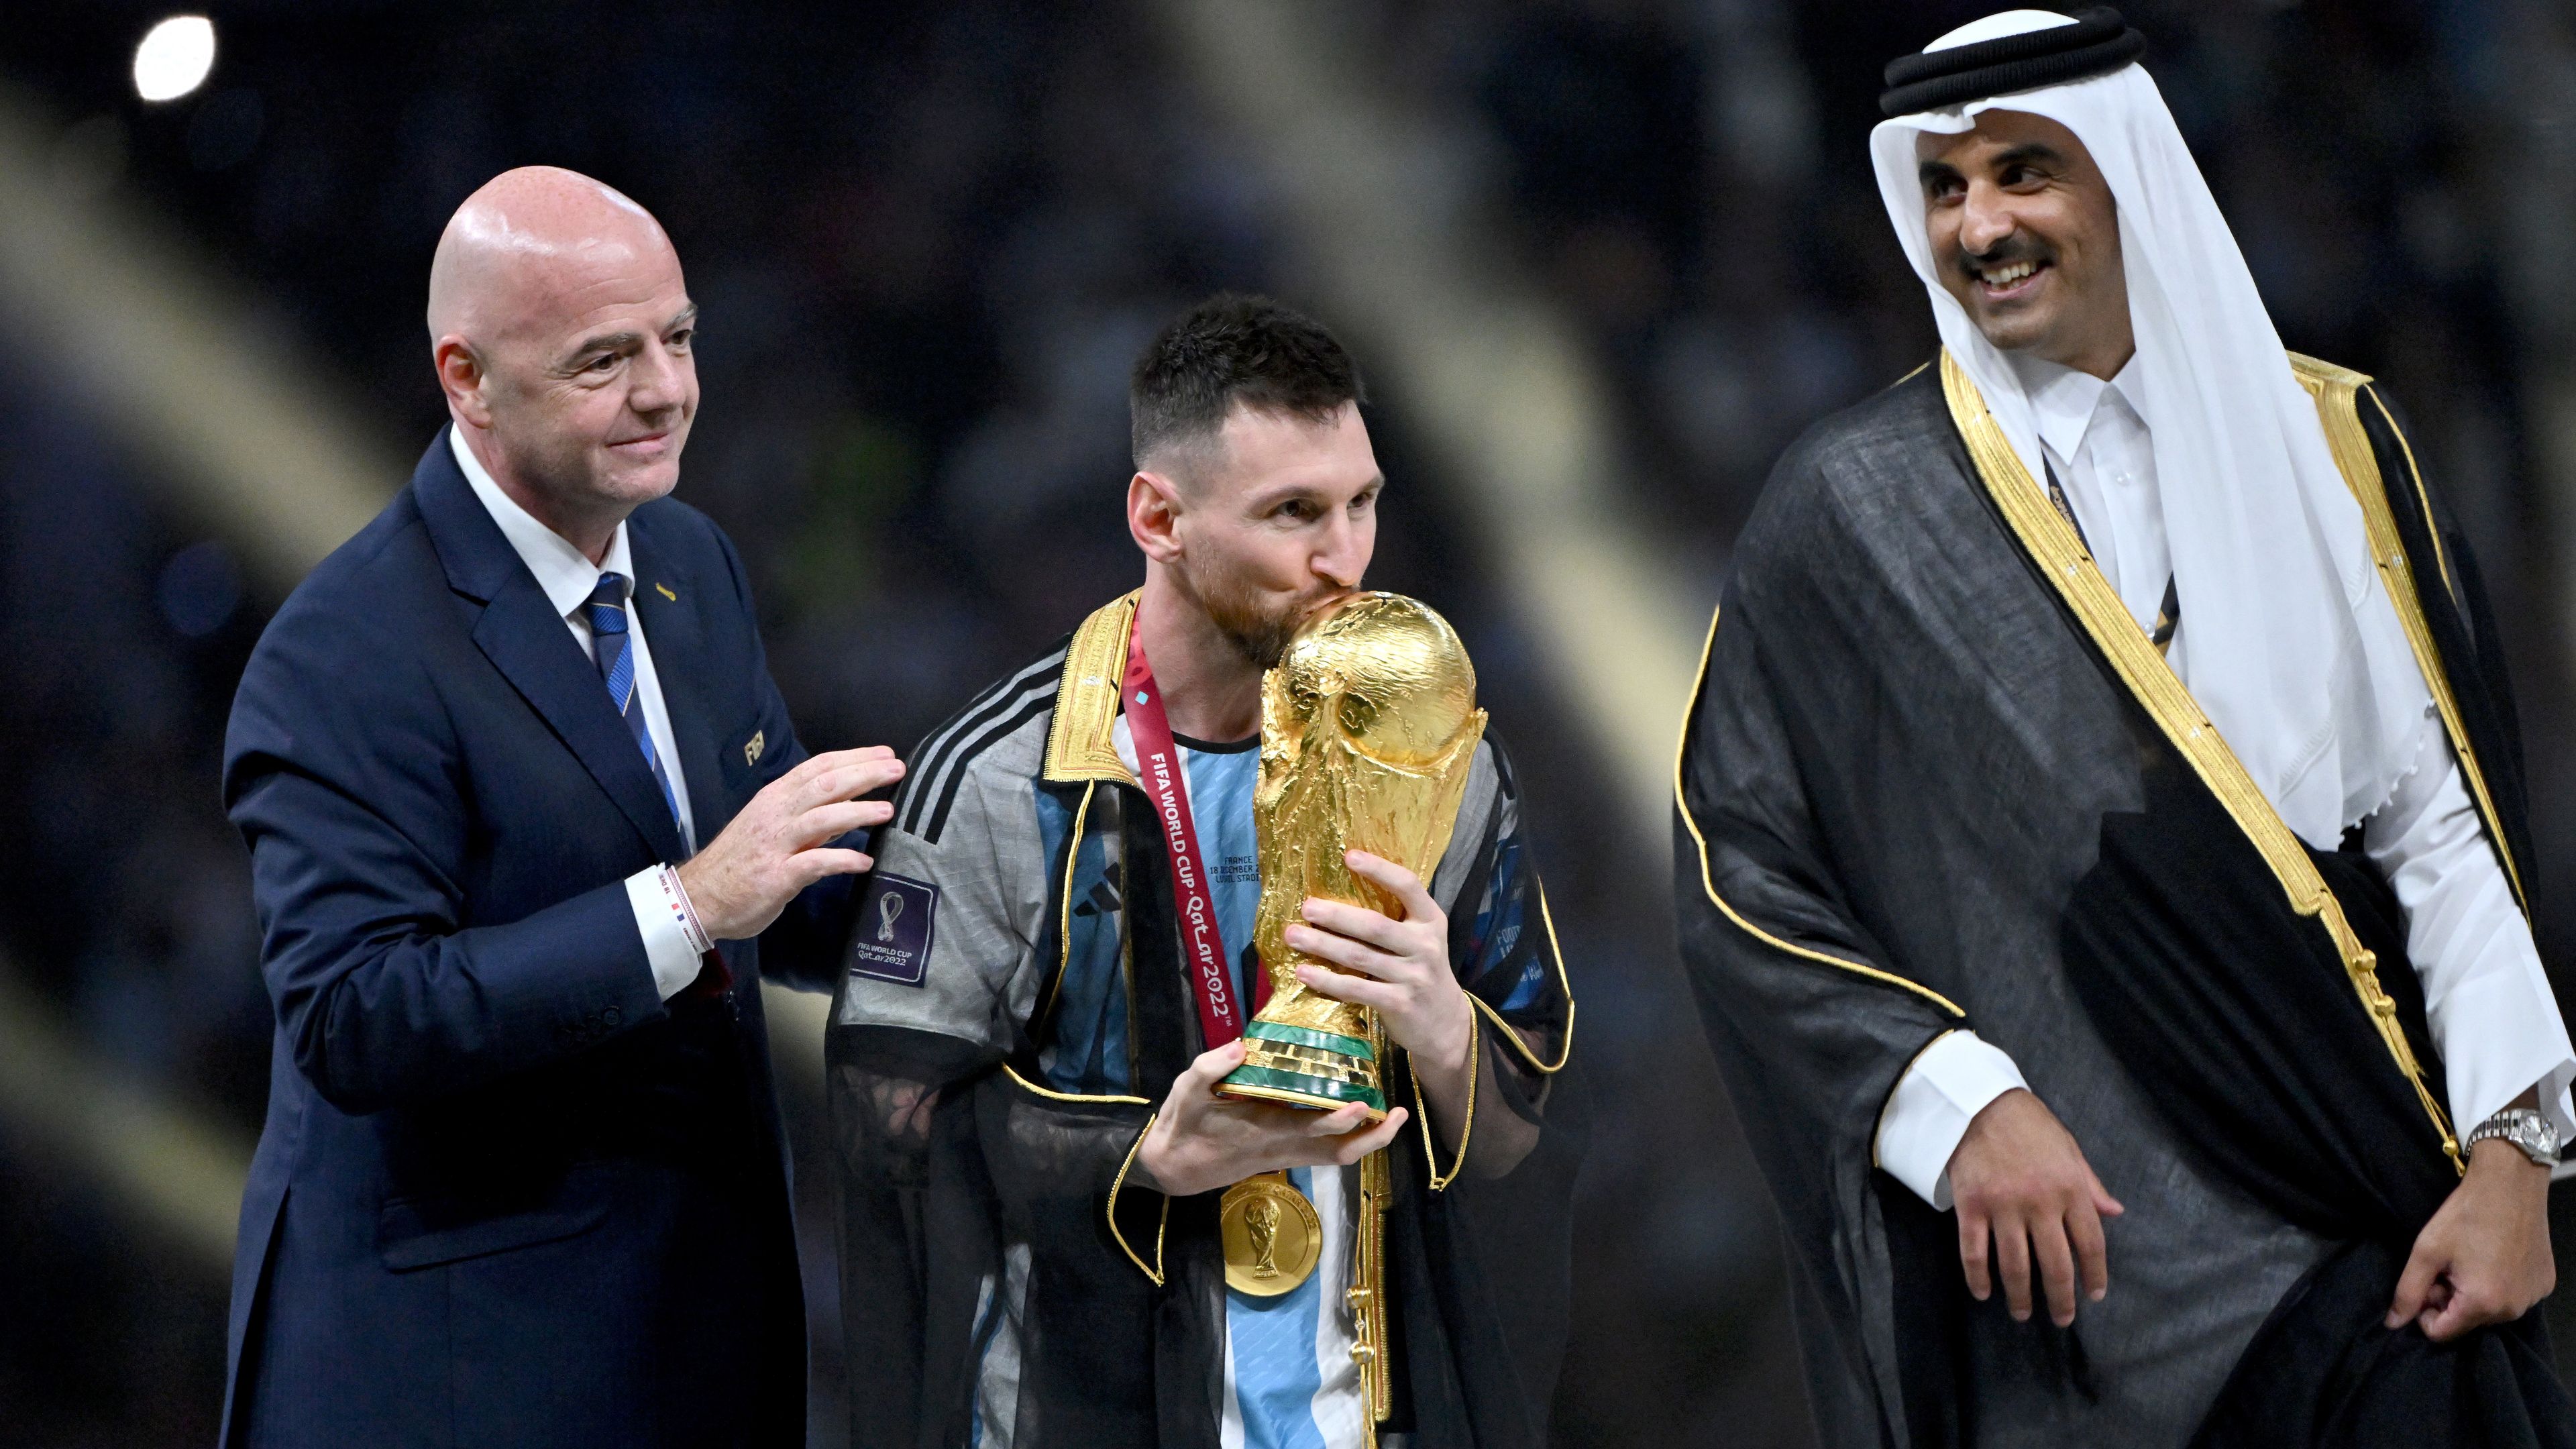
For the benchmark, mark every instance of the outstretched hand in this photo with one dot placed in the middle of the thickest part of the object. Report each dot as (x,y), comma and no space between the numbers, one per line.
(2018,1180)
(780,843)
(1200,1141)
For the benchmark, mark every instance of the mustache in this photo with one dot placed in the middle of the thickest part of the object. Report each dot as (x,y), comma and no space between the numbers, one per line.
(1266,642)
(1261,632)
(2014,248)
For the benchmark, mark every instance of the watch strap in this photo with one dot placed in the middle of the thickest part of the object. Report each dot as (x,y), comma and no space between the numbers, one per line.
(2530,1133)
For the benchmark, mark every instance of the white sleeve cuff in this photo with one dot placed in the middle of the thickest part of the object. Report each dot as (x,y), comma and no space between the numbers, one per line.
(2493,1017)
(2499,1033)
(1927,1114)
(666,945)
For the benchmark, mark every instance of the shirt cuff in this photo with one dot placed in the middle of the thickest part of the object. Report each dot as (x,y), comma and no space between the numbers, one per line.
(2499,1034)
(1927,1114)
(666,945)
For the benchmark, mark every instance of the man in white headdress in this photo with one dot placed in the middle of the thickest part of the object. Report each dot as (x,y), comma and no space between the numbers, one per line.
(2101,825)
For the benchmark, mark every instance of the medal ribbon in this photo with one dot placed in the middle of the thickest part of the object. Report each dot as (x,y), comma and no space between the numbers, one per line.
(1158,767)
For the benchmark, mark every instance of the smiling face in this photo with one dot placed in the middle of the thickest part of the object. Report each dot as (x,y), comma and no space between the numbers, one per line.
(563,334)
(592,404)
(1278,517)
(2026,235)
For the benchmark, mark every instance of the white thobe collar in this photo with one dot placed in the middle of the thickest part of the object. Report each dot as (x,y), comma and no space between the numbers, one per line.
(562,571)
(2064,400)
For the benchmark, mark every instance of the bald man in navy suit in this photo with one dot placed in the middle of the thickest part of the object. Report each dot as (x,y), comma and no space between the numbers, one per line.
(528,824)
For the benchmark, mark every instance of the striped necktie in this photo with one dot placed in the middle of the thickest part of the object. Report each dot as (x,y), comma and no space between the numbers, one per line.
(606,611)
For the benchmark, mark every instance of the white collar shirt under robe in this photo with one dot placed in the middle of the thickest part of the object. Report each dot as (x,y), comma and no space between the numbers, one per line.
(2492,1015)
(567,579)
(2096,440)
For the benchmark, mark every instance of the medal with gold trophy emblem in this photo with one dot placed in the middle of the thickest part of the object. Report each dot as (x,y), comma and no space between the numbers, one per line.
(1369,725)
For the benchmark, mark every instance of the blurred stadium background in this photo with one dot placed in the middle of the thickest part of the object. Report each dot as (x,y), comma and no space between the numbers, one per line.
(1602,259)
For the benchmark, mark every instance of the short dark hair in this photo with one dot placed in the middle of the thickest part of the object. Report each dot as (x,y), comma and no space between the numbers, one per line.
(1231,349)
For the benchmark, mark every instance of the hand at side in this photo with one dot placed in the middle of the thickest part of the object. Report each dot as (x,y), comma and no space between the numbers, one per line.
(2484,1258)
(2021,1184)
(778,845)
(1200,1141)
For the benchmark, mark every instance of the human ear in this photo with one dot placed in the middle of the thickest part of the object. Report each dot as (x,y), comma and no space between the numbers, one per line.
(462,378)
(1154,515)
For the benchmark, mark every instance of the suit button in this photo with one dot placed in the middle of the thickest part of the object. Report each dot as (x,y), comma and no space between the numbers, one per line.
(612,1016)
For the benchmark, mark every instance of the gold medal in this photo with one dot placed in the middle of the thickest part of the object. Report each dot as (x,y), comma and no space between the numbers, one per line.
(1272,1236)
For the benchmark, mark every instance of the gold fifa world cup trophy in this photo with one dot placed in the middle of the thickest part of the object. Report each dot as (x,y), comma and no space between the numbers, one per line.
(1368,727)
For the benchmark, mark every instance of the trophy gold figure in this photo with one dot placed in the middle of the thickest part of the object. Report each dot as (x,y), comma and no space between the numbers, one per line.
(1368,727)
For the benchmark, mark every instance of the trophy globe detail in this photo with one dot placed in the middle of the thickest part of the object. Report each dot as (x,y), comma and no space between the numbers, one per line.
(1369,725)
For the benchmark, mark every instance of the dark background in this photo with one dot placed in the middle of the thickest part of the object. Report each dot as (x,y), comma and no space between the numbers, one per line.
(928,239)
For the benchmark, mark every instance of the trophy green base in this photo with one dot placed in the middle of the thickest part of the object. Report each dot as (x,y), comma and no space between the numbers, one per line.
(1301,1067)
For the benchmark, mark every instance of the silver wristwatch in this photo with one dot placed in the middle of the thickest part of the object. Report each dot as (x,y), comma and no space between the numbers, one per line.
(2526,1129)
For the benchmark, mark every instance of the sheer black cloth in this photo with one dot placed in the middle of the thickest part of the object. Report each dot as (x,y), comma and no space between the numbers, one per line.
(1005,1278)
(1915,799)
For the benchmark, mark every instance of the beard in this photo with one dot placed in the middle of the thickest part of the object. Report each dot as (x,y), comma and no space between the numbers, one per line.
(1258,630)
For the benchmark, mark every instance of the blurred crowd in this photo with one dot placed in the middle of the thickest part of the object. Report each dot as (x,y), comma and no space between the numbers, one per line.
(928,241)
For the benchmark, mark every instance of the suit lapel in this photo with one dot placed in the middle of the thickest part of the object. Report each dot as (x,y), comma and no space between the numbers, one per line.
(534,649)
(662,600)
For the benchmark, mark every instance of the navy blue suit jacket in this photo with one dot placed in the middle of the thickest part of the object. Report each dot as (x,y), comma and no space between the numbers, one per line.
(505,1195)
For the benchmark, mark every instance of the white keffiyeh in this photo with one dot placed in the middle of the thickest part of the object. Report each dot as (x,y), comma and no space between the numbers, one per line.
(2294,649)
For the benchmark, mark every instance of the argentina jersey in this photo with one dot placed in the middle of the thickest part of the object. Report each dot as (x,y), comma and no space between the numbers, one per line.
(1290,1381)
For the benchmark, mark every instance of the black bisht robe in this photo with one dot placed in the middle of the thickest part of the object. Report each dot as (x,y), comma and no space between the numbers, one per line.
(1925,786)
(964,1175)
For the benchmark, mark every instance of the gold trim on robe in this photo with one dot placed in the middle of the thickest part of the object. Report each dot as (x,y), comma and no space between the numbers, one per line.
(1161,1224)
(2337,391)
(1079,743)
(2061,556)
(1511,1034)
(1708,882)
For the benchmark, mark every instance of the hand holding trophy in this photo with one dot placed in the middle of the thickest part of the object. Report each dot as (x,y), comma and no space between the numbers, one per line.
(1368,727)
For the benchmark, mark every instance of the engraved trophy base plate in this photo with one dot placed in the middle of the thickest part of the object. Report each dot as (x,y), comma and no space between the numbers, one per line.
(1301,1067)
(1271,1235)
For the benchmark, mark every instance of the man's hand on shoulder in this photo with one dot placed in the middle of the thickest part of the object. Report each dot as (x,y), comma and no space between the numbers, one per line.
(2484,1258)
(2022,1186)
(1200,1141)
(780,843)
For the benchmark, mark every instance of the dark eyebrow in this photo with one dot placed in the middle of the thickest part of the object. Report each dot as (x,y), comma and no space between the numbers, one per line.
(2032,153)
(1931,171)
(1272,497)
(1263,502)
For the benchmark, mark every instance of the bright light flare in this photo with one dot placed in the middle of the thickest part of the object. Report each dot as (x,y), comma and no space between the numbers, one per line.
(174,57)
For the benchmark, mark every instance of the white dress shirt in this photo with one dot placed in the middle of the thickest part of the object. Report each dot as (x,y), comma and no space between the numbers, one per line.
(568,578)
(2492,1015)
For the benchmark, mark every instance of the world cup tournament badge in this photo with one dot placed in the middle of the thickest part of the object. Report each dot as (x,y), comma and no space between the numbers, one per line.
(890,939)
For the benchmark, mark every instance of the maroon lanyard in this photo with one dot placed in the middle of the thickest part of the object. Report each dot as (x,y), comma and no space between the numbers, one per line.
(1158,767)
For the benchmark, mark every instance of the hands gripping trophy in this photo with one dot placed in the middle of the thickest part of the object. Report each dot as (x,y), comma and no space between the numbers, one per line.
(1368,727)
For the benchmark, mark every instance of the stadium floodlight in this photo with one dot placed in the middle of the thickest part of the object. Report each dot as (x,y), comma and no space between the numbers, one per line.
(174,57)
